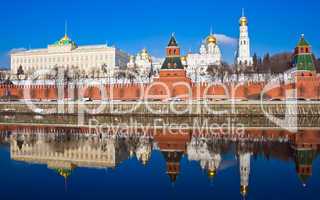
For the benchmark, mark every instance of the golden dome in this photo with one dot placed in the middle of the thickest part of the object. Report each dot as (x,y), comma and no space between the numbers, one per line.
(243,21)
(144,54)
(211,39)
(183,58)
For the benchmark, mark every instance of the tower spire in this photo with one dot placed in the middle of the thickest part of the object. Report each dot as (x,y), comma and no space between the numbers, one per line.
(65,28)
(242,12)
(211,30)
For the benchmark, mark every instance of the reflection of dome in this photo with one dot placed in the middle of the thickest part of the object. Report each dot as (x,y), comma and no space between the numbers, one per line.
(212,173)
(211,39)
(243,21)
(244,190)
(63,172)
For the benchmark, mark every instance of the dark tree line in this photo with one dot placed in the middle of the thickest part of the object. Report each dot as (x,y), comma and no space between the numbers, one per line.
(277,63)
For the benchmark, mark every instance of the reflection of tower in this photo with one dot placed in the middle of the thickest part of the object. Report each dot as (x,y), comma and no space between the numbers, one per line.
(244,172)
(243,57)
(143,151)
(172,146)
(305,145)
(205,152)
(213,165)
(173,163)
(304,159)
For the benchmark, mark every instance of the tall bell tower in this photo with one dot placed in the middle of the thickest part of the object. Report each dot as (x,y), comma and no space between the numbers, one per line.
(243,53)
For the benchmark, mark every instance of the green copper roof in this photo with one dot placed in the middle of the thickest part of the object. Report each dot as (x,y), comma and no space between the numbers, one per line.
(63,172)
(304,178)
(65,41)
(172,63)
(172,42)
(303,42)
(303,59)
(305,157)
(304,62)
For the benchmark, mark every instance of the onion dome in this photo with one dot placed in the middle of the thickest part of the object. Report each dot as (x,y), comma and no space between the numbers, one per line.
(211,39)
(145,55)
(243,21)
(183,58)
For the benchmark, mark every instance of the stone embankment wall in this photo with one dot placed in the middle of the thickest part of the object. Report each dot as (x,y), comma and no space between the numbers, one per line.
(220,108)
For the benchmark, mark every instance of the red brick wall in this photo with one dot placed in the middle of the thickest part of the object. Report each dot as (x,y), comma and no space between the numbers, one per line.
(163,87)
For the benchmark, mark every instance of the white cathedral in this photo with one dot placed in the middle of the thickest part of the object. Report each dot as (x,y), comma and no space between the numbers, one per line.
(142,63)
(209,54)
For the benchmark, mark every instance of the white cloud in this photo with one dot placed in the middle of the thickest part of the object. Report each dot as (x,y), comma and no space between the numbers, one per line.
(224,39)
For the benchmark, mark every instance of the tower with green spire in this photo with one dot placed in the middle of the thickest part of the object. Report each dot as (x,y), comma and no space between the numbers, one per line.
(303,59)
(173,59)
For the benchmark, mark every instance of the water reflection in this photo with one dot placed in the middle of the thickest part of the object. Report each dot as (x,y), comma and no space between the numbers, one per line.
(64,149)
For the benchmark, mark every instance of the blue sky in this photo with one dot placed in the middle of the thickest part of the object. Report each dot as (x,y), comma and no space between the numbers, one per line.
(274,25)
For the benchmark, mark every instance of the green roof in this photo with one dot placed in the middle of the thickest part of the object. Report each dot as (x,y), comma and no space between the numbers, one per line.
(303,42)
(305,157)
(304,178)
(65,41)
(63,172)
(172,63)
(172,42)
(304,62)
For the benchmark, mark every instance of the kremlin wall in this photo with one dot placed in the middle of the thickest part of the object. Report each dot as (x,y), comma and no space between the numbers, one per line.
(173,83)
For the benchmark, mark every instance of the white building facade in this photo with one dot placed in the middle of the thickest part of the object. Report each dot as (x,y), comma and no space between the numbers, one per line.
(243,54)
(65,53)
(209,54)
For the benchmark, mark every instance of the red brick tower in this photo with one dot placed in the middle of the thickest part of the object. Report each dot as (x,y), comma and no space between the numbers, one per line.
(172,80)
